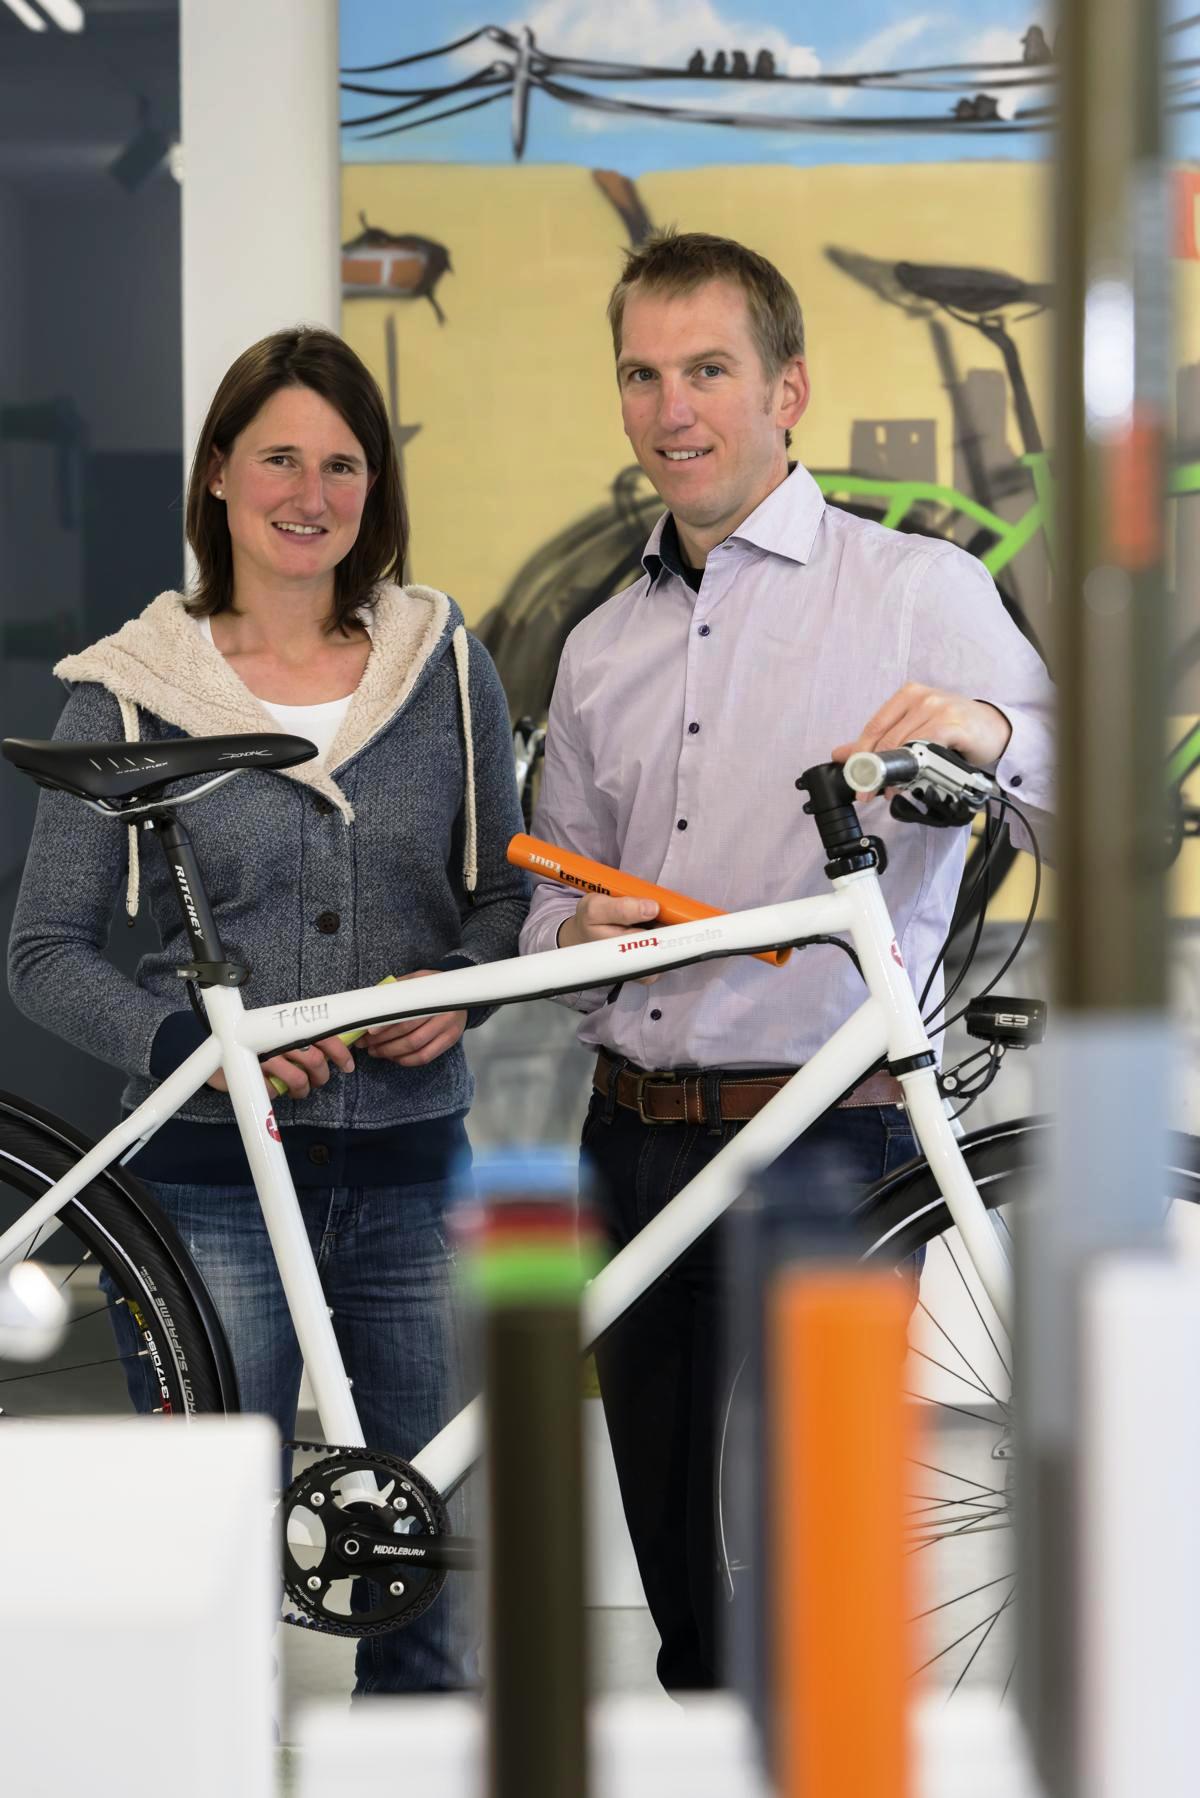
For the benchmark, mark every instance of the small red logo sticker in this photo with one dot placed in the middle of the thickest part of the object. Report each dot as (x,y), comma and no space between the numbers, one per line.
(273,1127)
(896,955)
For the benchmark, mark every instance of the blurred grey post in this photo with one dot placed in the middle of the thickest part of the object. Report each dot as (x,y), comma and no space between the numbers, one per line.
(1104,1189)
(528,1275)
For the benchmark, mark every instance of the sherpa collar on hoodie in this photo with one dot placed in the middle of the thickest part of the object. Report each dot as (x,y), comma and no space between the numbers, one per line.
(161,662)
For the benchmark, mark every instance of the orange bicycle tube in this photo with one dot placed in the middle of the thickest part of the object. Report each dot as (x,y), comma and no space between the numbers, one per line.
(571,870)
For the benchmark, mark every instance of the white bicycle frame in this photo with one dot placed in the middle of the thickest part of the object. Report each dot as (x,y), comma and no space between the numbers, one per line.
(886,1025)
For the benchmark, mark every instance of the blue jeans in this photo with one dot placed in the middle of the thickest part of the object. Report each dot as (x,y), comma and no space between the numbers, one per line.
(388,1276)
(664,1365)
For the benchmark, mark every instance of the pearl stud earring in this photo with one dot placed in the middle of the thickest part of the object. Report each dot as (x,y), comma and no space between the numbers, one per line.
(218,493)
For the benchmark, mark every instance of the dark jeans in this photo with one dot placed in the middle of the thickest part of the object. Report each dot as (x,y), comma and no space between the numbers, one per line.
(388,1276)
(663,1366)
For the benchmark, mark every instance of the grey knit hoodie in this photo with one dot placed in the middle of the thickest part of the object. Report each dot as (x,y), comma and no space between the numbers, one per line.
(321,877)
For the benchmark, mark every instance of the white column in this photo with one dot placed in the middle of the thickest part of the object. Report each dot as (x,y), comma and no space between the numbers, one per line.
(1139,1571)
(139,1582)
(261,187)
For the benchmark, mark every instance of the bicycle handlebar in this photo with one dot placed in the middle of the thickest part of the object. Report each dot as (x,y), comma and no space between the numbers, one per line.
(921,768)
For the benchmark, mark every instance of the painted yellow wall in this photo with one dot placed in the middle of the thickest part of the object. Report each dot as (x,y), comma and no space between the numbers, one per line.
(514,394)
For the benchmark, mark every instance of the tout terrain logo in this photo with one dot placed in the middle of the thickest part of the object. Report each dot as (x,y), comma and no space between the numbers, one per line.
(681,942)
(273,1127)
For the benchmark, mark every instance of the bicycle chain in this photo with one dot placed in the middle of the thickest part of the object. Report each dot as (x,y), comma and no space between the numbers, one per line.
(421,1585)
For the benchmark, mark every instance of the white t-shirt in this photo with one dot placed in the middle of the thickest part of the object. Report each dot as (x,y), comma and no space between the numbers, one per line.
(319,723)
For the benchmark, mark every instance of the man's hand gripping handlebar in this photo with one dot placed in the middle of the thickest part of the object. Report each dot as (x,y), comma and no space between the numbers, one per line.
(950,790)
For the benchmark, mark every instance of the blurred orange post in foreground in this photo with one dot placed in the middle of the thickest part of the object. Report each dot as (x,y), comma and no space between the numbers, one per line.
(842,1440)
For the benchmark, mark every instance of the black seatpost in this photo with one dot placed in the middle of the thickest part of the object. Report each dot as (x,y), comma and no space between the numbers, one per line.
(209,966)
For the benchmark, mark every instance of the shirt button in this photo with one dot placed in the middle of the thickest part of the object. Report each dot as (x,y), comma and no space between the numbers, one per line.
(328,923)
(1015,781)
(692,729)
(319,1154)
(656,1015)
(681,823)
(323,805)
(704,630)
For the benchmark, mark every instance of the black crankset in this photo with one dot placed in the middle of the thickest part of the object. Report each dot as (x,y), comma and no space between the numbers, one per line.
(366,1547)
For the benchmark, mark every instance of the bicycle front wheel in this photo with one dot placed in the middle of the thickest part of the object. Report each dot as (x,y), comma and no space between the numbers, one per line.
(140,1320)
(959,1490)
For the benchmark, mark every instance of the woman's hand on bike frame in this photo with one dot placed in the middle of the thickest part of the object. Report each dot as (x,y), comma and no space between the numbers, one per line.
(979,731)
(599,916)
(301,1069)
(415,1042)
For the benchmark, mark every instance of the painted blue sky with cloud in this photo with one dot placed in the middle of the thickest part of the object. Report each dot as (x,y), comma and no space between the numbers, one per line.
(805,38)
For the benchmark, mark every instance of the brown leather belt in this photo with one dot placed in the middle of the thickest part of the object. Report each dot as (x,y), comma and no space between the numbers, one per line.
(674,1097)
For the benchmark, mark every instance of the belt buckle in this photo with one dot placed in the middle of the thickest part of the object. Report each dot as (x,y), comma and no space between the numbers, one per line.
(658,1080)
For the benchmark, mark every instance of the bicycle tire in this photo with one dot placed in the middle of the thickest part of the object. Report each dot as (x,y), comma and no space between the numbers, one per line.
(126,1234)
(905,1211)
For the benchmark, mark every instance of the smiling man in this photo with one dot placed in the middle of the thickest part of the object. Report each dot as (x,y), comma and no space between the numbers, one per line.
(767,632)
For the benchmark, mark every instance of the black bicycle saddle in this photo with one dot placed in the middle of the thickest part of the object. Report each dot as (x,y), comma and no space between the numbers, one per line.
(120,772)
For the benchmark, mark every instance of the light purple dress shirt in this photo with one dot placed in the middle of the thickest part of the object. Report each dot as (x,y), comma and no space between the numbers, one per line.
(681,720)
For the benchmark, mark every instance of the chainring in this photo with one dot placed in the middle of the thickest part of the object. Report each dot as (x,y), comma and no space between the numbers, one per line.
(335,1539)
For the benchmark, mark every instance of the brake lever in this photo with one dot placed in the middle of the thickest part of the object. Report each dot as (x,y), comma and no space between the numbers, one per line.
(943,811)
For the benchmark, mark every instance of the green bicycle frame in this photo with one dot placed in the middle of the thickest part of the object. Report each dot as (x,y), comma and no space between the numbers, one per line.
(1012,535)
(903,497)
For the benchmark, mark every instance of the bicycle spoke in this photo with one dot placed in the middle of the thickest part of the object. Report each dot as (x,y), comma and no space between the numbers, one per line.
(950,1528)
(941,1529)
(1009,1680)
(939,1504)
(947,1475)
(944,1405)
(972,1370)
(946,1603)
(965,1637)
(43,1373)
(969,1526)
(983,1638)
(918,1528)
(84,1315)
(85,1257)
(983,1391)
(975,1307)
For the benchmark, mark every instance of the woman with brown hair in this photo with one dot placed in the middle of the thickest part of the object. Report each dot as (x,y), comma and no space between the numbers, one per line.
(385,855)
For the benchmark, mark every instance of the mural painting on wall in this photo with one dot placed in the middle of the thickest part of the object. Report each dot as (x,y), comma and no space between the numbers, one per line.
(509,165)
